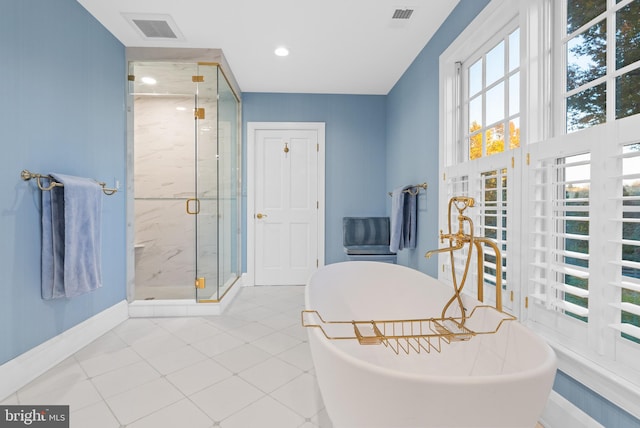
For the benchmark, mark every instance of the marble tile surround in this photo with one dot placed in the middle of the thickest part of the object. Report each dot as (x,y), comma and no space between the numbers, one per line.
(164,177)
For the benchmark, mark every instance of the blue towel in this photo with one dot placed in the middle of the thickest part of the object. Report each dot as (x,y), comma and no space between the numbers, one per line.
(404,219)
(396,241)
(71,237)
(52,281)
(410,220)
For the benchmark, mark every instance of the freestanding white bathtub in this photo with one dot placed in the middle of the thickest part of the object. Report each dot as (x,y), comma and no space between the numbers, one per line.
(492,380)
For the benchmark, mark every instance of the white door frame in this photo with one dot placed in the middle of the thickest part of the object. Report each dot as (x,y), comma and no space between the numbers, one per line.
(252,128)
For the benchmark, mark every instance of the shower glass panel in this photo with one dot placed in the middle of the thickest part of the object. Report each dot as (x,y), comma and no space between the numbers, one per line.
(186,180)
(228,184)
(163,97)
(217,183)
(206,182)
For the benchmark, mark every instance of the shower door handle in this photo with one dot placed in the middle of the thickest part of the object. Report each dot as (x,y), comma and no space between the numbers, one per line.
(197,201)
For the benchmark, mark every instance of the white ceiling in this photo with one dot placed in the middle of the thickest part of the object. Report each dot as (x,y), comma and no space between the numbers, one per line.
(336,46)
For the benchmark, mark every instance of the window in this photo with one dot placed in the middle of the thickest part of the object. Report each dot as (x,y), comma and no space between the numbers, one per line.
(483,145)
(492,98)
(562,201)
(602,48)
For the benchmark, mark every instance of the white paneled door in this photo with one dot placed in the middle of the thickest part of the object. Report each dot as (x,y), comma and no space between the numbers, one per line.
(287,204)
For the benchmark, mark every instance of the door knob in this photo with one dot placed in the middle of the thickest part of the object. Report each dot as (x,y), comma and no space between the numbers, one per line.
(260,215)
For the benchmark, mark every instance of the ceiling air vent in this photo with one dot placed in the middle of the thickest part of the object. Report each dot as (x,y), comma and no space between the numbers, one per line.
(153,29)
(154,26)
(402,14)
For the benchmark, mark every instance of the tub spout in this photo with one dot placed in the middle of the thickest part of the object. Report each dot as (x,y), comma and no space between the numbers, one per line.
(442,250)
(454,239)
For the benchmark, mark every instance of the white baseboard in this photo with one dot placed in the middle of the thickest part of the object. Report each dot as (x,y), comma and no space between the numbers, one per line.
(561,413)
(21,370)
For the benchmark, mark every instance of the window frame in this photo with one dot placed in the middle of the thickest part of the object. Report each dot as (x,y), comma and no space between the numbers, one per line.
(454,157)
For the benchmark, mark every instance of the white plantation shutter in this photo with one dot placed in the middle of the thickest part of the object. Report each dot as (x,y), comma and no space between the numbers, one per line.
(486,180)
(456,184)
(582,222)
(628,265)
(492,220)
(559,229)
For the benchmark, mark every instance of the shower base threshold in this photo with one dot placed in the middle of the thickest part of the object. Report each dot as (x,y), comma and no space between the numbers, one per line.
(181,307)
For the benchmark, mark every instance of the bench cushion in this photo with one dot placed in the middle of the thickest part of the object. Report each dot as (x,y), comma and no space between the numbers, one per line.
(367,249)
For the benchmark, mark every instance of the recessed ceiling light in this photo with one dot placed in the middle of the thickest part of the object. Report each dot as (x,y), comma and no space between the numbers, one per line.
(148,80)
(282,51)
(181,108)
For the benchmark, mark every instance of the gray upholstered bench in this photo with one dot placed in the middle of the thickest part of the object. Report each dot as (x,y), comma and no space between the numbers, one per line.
(367,238)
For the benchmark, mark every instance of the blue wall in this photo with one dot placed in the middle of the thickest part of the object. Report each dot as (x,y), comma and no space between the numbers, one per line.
(413,124)
(62,97)
(355,148)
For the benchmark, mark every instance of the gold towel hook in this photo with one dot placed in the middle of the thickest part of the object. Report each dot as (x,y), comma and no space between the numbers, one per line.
(107,191)
(41,187)
(26,176)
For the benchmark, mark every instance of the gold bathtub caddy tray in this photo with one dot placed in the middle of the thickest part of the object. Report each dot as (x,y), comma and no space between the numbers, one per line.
(430,333)
(411,335)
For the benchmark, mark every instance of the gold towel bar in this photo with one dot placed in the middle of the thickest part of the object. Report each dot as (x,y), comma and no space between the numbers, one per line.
(26,176)
(417,187)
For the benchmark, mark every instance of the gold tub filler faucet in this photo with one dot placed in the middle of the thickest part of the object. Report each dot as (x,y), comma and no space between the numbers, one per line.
(417,335)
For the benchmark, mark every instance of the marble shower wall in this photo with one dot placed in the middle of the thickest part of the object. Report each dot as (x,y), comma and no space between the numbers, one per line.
(164,153)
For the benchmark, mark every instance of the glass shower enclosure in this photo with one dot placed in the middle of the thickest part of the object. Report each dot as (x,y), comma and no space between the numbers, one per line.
(186,166)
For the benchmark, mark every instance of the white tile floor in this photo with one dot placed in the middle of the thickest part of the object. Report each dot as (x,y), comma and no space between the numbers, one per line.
(250,367)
